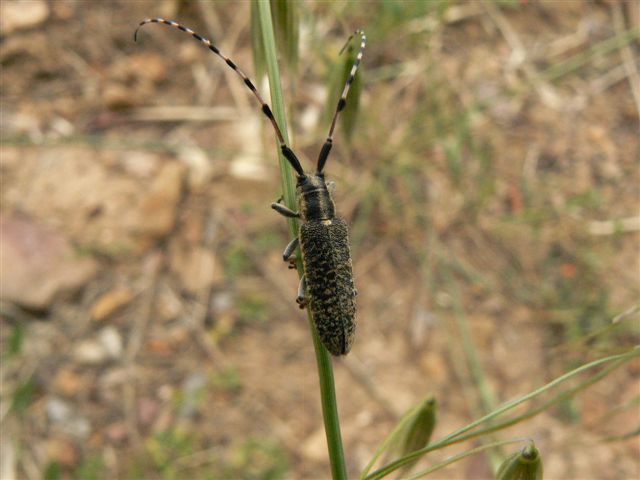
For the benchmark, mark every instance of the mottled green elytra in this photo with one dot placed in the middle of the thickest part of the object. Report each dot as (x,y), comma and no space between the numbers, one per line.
(327,286)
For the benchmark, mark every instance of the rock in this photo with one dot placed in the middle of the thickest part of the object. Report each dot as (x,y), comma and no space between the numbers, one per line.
(168,304)
(248,164)
(141,164)
(111,341)
(67,418)
(195,266)
(200,167)
(68,382)
(94,351)
(246,167)
(89,352)
(192,390)
(20,15)
(156,213)
(111,302)
(90,196)
(38,264)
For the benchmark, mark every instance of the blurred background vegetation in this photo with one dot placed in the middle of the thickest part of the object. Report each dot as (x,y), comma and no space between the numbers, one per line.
(489,175)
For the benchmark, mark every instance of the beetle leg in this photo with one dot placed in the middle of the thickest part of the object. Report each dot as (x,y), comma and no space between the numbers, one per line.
(302,300)
(289,249)
(282,210)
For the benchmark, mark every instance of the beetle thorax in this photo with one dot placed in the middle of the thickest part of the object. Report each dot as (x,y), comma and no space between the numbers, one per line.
(314,199)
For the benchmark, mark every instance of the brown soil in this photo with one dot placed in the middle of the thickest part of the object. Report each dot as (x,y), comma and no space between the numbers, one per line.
(149,328)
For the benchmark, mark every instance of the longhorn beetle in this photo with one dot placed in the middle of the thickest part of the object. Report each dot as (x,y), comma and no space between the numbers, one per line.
(327,284)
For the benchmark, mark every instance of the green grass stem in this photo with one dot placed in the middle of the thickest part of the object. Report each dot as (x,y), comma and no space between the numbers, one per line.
(323,359)
(460,456)
(486,396)
(457,436)
(604,47)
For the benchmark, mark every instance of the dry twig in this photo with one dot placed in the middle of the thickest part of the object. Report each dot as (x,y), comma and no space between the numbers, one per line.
(610,227)
(547,93)
(630,66)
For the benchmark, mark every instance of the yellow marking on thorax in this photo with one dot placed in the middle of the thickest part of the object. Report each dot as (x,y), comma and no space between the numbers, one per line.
(326,222)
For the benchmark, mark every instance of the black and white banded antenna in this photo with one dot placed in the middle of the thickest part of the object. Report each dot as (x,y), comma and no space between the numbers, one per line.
(326,148)
(286,151)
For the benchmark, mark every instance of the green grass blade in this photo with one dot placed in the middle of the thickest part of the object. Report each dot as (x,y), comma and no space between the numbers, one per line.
(602,48)
(286,22)
(323,359)
(559,398)
(460,456)
(257,45)
(285,17)
(456,436)
(487,398)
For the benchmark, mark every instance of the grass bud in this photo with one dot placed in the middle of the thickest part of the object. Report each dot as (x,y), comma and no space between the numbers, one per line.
(523,465)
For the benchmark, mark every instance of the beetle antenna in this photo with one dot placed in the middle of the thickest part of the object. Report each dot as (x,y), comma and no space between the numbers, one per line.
(286,151)
(326,148)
